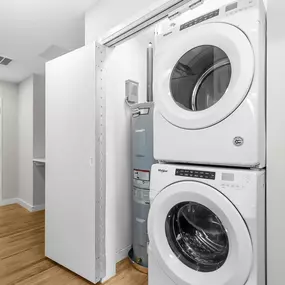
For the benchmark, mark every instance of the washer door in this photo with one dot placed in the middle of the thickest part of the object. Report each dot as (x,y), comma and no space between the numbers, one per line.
(202,74)
(199,237)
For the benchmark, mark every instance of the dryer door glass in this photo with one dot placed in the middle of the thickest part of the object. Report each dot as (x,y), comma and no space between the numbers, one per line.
(200,78)
(197,236)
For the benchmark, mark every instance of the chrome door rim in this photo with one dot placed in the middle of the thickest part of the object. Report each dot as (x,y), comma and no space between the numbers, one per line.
(217,65)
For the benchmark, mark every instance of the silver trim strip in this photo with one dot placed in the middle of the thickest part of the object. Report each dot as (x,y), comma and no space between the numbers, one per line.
(100,161)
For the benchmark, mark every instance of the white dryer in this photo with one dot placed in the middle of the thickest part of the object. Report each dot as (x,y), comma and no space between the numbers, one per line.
(206,226)
(209,86)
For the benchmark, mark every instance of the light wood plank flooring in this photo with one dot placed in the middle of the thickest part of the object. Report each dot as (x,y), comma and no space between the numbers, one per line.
(22,259)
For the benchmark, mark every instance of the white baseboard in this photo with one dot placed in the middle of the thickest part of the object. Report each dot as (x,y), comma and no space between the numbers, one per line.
(29,207)
(22,203)
(109,275)
(38,208)
(123,253)
(6,202)
(120,255)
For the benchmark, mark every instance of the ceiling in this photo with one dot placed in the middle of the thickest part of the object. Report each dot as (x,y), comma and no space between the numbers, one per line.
(32,31)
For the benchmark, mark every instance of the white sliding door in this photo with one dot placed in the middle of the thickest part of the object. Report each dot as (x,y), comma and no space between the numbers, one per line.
(73,229)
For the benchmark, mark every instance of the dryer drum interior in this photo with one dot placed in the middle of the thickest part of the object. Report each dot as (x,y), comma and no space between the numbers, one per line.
(200,78)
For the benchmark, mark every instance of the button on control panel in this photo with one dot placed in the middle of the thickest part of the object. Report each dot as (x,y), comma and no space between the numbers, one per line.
(196,174)
(200,19)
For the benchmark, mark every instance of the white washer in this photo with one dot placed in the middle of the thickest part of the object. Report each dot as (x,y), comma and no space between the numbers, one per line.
(209,86)
(206,226)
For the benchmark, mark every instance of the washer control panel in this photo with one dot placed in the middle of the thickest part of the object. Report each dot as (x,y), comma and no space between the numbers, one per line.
(195,173)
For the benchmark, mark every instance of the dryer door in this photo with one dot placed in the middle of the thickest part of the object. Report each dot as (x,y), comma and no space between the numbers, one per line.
(199,237)
(202,74)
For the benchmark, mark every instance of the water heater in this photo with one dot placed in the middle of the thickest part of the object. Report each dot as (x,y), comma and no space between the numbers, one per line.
(142,160)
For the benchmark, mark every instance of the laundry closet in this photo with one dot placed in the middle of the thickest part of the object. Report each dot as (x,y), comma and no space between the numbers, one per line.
(107,147)
(210,145)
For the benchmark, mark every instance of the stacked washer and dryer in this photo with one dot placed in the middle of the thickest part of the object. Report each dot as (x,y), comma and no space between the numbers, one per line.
(207,218)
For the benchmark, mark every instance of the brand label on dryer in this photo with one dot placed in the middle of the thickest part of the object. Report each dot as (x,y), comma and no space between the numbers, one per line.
(238,141)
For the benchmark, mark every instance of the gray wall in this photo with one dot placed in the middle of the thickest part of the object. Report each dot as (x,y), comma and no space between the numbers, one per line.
(39,185)
(9,95)
(39,139)
(39,116)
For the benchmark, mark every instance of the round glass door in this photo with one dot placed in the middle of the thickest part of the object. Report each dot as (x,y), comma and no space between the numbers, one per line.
(197,236)
(202,75)
(200,78)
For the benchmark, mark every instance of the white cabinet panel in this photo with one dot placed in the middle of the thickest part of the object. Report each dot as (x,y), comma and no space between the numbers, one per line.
(70,162)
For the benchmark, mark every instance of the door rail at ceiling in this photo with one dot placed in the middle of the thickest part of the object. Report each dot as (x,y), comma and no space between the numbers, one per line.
(149,19)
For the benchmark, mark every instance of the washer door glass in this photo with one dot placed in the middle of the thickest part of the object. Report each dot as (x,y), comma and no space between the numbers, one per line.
(197,236)
(200,78)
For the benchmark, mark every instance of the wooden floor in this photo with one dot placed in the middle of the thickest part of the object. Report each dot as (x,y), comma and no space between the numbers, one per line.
(22,259)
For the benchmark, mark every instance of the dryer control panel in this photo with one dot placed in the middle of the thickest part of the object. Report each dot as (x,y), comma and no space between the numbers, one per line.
(200,19)
(185,20)
(196,174)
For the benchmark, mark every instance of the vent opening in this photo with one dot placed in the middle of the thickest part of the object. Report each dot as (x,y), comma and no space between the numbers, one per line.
(4,60)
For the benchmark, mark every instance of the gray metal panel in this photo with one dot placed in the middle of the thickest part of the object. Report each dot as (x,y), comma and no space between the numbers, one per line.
(142,133)
(141,208)
(150,73)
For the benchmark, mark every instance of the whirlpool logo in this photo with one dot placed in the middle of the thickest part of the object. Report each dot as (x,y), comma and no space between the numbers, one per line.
(162,170)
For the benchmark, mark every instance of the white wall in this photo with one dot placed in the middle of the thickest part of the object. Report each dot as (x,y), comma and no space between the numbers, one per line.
(9,95)
(26,89)
(107,14)
(18,139)
(97,22)
(276,143)
(132,57)
(125,62)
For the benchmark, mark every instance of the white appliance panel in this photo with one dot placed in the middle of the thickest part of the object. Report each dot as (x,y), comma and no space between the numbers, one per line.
(231,207)
(206,119)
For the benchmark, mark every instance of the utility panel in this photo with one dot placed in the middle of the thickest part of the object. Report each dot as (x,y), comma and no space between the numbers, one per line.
(132,91)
